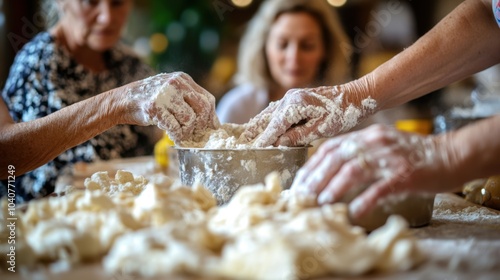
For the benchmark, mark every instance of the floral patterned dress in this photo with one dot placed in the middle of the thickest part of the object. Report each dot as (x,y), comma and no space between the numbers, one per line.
(43,79)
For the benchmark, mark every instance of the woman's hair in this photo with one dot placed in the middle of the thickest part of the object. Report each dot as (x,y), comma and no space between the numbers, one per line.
(252,63)
(50,12)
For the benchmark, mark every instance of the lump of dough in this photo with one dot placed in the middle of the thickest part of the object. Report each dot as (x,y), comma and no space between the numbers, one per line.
(173,248)
(396,246)
(124,181)
(157,205)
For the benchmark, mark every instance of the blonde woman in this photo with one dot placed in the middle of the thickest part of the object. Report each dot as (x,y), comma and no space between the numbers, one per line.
(288,44)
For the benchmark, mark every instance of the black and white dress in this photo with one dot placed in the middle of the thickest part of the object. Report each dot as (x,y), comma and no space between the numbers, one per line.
(43,79)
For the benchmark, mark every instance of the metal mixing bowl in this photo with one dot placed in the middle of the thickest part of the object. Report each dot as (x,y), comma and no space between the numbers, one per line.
(223,171)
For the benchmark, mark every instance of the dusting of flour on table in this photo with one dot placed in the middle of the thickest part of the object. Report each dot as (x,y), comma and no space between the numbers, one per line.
(462,237)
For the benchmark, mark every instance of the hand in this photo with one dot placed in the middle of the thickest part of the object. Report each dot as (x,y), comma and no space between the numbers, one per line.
(304,115)
(383,160)
(173,102)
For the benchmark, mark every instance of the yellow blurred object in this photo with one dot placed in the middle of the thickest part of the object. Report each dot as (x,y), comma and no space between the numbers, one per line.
(368,62)
(223,69)
(161,151)
(241,3)
(158,42)
(421,126)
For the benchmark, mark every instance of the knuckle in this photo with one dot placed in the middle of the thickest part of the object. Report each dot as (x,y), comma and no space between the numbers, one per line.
(378,128)
(379,134)
(351,170)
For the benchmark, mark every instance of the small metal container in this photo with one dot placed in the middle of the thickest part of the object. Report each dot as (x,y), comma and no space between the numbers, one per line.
(223,171)
(416,209)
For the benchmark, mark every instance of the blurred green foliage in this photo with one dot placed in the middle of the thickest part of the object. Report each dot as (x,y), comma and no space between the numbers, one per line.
(193,28)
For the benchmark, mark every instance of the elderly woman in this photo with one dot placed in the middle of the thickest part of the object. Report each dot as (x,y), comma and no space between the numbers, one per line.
(288,44)
(79,57)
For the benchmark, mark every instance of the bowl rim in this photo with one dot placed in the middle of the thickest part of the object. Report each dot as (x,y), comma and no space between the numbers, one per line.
(270,148)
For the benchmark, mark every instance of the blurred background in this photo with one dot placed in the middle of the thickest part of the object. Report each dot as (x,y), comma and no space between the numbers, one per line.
(201,37)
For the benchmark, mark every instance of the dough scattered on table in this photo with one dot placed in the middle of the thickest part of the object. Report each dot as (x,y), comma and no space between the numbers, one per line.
(163,228)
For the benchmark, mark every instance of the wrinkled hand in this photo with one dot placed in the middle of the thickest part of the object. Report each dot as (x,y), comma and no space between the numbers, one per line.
(173,102)
(304,115)
(383,160)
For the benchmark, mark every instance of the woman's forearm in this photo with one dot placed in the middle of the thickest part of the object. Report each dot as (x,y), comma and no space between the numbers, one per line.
(28,145)
(463,43)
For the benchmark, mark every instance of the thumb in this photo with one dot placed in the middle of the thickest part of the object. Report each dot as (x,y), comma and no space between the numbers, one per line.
(300,135)
(369,199)
(276,127)
(293,137)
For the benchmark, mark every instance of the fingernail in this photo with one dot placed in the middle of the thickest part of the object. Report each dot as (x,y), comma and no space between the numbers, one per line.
(259,143)
(356,207)
(325,198)
(300,188)
(283,141)
(301,191)
(295,182)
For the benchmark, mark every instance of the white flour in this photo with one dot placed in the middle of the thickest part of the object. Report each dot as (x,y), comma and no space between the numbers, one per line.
(329,112)
(345,118)
(465,212)
(175,103)
(249,165)
(225,137)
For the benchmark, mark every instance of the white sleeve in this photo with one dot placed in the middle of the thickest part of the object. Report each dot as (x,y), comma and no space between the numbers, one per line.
(238,105)
(226,107)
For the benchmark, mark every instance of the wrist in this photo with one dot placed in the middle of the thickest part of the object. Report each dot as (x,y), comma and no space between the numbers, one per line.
(360,94)
(450,158)
(114,106)
(475,149)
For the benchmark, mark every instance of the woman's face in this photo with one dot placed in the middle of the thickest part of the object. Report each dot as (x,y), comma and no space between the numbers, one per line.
(295,49)
(96,24)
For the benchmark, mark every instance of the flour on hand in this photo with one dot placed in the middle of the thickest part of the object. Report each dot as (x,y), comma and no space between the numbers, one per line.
(305,115)
(175,103)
